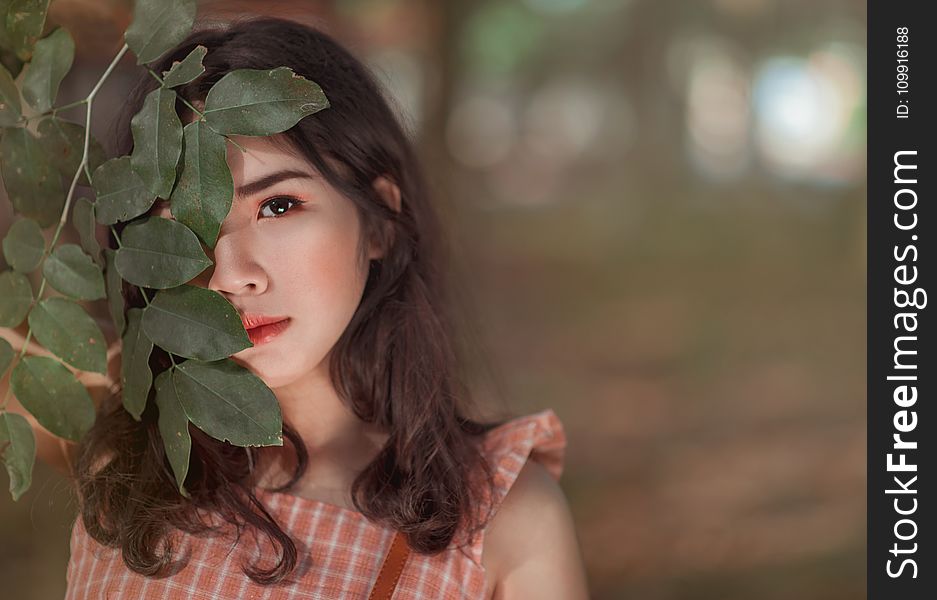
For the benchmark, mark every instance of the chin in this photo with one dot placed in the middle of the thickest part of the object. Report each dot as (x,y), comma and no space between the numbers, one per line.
(272,375)
(285,366)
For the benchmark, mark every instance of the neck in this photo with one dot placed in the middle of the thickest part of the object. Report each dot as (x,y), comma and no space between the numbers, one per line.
(340,445)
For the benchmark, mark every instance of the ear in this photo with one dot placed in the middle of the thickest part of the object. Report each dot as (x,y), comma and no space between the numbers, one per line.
(390,194)
(388,191)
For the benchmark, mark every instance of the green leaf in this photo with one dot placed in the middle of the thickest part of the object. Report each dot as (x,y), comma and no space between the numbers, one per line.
(115,297)
(64,142)
(16,296)
(173,427)
(158,25)
(52,394)
(6,355)
(83,220)
(203,196)
(185,71)
(18,450)
(229,403)
(195,323)
(261,102)
(23,245)
(157,141)
(121,194)
(63,326)
(32,183)
(159,253)
(9,60)
(72,272)
(52,58)
(134,367)
(25,20)
(10,107)
(5,43)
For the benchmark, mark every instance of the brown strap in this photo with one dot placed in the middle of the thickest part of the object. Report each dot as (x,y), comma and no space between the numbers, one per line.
(391,569)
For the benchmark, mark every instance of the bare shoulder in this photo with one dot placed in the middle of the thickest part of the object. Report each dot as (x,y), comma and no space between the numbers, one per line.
(531,549)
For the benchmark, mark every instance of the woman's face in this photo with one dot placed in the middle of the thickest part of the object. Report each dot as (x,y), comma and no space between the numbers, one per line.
(289,247)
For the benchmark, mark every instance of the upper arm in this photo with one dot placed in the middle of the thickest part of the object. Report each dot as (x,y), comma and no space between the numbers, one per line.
(531,542)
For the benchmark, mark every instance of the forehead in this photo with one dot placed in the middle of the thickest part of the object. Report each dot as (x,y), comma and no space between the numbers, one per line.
(250,158)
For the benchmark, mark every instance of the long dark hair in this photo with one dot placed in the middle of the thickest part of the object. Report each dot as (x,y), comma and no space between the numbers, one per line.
(397,364)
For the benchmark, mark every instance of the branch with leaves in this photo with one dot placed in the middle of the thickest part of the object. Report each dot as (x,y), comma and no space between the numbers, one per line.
(186,165)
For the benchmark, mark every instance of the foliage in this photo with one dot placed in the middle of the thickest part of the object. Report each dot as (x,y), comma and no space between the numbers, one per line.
(199,328)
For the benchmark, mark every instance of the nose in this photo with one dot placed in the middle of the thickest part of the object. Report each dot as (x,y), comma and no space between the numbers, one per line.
(235,271)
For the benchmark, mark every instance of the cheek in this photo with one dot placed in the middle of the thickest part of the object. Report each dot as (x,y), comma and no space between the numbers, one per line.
(321,276)
(317,279)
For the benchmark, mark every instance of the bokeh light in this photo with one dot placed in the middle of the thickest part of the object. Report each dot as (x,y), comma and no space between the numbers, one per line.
(481,130)
(804,110)
(717,113)
(563,118)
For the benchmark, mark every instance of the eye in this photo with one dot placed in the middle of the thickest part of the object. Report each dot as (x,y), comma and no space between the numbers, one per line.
(279,206)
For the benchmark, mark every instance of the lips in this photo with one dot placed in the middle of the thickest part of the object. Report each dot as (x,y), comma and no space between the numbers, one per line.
(262,328)
(251,320)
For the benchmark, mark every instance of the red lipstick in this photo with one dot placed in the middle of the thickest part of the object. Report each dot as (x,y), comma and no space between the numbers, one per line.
(262,328)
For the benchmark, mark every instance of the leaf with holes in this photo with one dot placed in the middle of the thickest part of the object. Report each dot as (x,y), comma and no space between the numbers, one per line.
(25,20)
(120,193)
(260,102)
(186,70)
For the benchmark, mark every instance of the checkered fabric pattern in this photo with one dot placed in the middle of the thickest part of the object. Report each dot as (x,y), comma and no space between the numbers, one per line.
(340,551)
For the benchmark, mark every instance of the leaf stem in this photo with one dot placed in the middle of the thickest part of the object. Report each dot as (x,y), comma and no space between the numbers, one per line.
(147,300)
(89,100)
(116,237)
(200,114)
(237,145)
(6,396)
(56,109)
(51,112)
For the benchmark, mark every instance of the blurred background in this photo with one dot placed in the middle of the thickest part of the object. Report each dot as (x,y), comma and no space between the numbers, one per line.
(661,205)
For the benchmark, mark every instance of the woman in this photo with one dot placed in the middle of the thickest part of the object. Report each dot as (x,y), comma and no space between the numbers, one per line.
(333,256)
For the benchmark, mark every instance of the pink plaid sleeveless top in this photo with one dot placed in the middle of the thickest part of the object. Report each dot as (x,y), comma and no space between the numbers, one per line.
(340,551)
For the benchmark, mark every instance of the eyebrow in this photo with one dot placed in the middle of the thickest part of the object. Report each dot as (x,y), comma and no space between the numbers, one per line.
(272,179)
